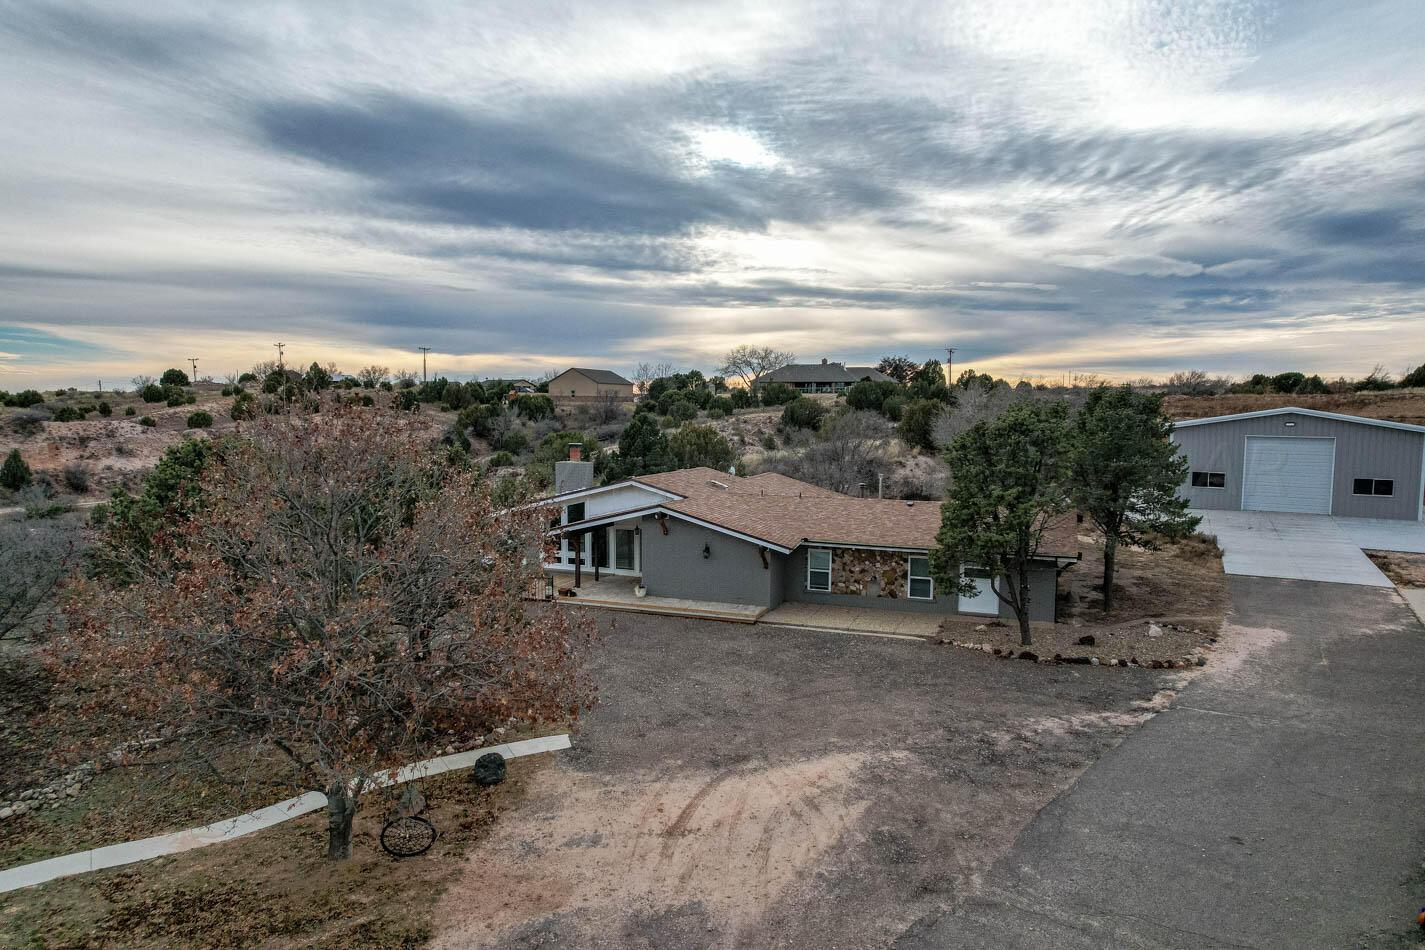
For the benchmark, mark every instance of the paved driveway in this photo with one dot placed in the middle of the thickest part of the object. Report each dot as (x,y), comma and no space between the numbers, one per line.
(1277,803)
(1296,547)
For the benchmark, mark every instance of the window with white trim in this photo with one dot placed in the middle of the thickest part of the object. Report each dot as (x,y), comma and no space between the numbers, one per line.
(1209,479)
(819,569)
(1380,487)
(919,584)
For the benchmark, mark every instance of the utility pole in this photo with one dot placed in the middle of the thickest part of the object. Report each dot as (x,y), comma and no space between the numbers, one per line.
(193,361)
(949,365)
(424,350)
(280,364)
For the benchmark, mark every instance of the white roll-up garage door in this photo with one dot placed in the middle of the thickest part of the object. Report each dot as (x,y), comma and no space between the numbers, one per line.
(1288,474)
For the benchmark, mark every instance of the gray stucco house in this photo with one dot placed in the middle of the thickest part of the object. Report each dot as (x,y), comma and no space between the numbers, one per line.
(823,377)
(1306,461)
(700,534)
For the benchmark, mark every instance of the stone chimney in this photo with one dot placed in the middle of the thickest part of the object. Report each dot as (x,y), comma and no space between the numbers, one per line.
(575,474)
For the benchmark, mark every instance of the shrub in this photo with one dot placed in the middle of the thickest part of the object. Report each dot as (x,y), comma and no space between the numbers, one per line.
(176,400)
(917,426)
(147,421)
(682,411)
(76,479)
(716,414)
(721,403)
(869,396)
(693,446)
(803,413)
(514,442)
(535,407)
(129,411)
(173,377)
(893,407)
(769,442)
(778,394)
(105,409)
(153,393)
(246,378)
(25,398)
(199,420)
(15,474)
(501,460)
(67,414)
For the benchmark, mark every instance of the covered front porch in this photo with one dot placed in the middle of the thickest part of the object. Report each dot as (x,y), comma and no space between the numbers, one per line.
(617,593)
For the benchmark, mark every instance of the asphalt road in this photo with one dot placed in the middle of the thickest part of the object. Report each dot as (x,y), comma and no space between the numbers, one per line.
(1280,804)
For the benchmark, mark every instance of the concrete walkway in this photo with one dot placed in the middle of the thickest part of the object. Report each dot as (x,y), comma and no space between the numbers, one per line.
(1291,546)
(1277,803)
(130,852)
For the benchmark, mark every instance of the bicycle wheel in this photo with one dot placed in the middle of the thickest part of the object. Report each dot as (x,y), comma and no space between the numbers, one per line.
(407,837)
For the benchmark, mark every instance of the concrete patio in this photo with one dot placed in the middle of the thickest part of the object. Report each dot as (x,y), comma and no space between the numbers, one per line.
(615,592)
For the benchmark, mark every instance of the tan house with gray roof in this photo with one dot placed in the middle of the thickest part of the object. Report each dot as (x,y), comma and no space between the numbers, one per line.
(578,384)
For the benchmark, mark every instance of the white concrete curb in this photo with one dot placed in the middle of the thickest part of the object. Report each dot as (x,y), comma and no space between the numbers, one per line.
(114,855)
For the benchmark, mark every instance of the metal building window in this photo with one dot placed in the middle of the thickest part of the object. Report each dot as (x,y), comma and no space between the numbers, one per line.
(1379,487)
(819,569)
(1209,479)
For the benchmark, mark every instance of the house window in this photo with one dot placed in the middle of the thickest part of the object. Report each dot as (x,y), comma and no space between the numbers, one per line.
(1382,487)
(920,586)
(819,569)
(1209,479)
(574,512)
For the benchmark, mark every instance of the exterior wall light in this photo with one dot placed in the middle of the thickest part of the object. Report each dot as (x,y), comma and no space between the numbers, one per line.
(707,551)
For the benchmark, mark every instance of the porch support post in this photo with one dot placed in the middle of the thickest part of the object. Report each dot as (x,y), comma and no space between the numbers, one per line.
(578,559)
(592,550)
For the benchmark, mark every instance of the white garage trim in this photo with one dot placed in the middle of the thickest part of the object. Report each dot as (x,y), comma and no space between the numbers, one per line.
(1301,441)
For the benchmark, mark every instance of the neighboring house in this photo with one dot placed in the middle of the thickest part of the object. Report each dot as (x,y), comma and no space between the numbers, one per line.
(516,386)
(699,534)
(823,377)
(1307,461)
(589,385)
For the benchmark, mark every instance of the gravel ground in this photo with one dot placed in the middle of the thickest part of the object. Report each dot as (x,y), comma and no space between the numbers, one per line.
(742,786)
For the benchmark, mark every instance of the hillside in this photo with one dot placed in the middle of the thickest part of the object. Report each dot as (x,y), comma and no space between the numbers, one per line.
(1396,405)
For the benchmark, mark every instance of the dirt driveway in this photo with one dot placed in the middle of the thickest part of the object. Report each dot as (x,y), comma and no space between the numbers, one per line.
(746,786)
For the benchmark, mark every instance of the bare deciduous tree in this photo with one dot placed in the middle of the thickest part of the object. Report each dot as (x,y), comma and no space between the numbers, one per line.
(848,451)
(642,377)
(373,376)
(345,597)
(751,363)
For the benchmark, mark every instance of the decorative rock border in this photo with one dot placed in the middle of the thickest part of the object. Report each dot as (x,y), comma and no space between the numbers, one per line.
(1188,662)
(70,784)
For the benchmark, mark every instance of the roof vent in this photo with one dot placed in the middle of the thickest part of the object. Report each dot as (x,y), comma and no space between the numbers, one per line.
(910,504)
(717,484)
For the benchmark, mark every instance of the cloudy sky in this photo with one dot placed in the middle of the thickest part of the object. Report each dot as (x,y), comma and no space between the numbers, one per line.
(1125,187)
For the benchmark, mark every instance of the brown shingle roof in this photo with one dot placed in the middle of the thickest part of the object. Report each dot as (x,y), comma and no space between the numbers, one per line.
(786,512)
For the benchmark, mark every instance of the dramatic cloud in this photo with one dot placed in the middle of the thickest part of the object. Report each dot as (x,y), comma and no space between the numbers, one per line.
(1113,186)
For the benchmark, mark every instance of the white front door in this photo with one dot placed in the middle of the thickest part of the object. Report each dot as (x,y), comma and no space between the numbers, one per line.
(984,600)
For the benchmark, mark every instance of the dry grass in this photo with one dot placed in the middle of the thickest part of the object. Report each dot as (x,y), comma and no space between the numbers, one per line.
(1396,405)
(274,888)
(1404,570)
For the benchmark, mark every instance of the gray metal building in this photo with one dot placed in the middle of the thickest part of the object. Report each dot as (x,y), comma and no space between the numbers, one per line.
(1306,461)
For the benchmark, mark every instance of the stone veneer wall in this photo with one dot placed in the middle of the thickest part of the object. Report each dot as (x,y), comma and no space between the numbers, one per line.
(854,571)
